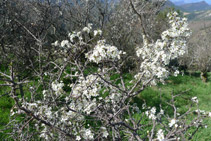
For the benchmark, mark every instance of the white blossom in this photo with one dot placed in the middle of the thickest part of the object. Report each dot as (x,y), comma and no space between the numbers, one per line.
(56,43)
(78,138)
(97,32)
(195,99)
(104,132)
(151,113)
(157,55)
(172,122)
(103,51)
(209,114)
(86,29)
(160,135)
(57,87)
(64,43)
(198,111)
(88,135)
(176,73)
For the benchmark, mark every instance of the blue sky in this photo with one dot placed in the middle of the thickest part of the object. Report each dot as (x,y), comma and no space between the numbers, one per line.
(191,1)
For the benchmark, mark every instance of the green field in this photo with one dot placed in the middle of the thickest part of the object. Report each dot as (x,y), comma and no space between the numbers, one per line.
(179,84)
(174,85)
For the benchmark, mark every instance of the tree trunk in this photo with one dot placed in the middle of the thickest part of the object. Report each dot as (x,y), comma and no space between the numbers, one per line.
(204,76)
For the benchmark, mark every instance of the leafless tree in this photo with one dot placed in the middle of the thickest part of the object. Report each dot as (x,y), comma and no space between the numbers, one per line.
(198,57)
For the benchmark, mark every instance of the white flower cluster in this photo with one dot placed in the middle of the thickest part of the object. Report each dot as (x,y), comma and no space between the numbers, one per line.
(173,122)
(195,99)
(160,135)
(88,86)
(97,32)
(73,38)
(83,99)
(88,28)
(104,132)
(76,37)
(203,112)
(87,134)
(57,87)
(31,106)
(156,56)
(85,93)
(44,133)
(151,113)
(103,51)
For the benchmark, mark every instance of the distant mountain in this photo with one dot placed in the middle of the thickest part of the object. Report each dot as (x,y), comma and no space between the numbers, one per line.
(193,11)
(170,4)
(182,2)
(200,16)
(198,6)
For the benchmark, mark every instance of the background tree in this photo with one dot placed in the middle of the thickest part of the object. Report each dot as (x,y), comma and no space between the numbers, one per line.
(198,55)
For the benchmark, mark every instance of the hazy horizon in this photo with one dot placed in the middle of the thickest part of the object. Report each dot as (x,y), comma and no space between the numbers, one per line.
(191,1)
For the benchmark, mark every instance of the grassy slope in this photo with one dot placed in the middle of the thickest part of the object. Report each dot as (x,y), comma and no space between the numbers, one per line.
(175,84)
(182,83)
(5,106)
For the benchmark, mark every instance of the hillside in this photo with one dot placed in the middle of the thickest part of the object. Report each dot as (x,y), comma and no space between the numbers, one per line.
(193,11)
(170,4)
(199,6)
(199,15)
